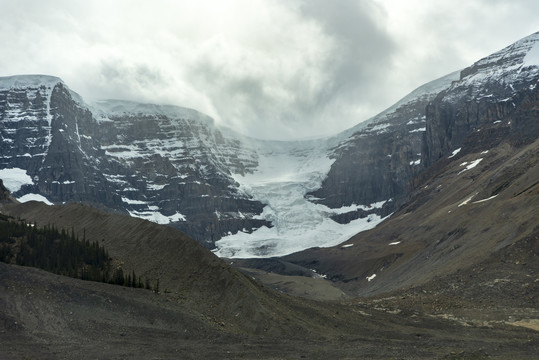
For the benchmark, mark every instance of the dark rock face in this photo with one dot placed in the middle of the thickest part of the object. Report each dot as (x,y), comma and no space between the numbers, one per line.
(71,169)
(376,162)
(499,87)
(41,128)
(170,166)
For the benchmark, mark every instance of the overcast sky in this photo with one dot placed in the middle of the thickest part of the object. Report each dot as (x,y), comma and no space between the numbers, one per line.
(267,68)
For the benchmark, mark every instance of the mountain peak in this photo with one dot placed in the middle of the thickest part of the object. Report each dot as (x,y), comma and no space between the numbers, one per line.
(521,55)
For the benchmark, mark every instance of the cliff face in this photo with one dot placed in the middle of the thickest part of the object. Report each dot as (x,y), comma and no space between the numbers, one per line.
(172,165)
(166,164)
(42,132)
(497,93)
(376,162)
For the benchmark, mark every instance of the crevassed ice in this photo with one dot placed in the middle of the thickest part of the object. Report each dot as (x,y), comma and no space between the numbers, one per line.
(281,182)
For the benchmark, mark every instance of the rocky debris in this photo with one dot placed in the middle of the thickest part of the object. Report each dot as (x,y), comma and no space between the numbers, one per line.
(458,215)
(45,315)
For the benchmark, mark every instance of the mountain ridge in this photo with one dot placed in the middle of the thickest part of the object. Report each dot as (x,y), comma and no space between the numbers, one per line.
(175,166)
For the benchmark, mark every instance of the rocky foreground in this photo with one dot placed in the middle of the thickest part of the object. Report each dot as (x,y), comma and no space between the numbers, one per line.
(51,317)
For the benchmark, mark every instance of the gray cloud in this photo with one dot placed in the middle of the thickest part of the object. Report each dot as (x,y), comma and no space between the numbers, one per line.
(362,51)
(272,69)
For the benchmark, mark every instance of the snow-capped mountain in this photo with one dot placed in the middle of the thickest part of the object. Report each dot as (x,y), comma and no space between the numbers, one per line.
(486,92)
(242,196)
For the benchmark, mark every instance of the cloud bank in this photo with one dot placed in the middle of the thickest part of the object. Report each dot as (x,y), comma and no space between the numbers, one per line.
(267,68)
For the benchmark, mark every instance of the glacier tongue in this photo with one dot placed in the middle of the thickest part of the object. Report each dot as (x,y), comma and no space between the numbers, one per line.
(287,171)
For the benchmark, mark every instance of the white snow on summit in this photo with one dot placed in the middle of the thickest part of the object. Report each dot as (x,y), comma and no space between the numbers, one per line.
(28,81)
(517,62)
(112,107)
(424,91)
(532,57)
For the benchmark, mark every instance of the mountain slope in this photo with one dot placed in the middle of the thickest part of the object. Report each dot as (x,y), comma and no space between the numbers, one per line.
(494,88)
(477,196)
(159,253)
(458,216)
(209,310)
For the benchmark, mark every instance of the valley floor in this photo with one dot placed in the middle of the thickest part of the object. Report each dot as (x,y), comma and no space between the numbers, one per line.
(52,317)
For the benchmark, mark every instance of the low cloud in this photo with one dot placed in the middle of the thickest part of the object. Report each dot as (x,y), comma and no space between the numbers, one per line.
(269,69)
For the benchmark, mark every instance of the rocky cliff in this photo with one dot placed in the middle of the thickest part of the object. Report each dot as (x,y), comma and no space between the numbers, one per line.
(166,164)
(42,131)
(496,93)
(376,160)
(173,165)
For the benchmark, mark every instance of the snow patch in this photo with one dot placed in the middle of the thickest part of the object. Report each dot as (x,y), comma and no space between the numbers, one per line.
(34,197)
(467,200)
(352,208)
(395,243)
(133,202)
(155,187)
(177,217)
(280,241)
(28,81)
(487,199)
(455,152)
(532,57)
(379,127)
(347,245)
(470,165)
(67,182)
(157,217)
(369,278)
(418,130)
(15,178)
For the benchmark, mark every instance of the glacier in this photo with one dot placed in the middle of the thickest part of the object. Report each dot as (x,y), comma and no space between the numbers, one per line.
(286,173)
